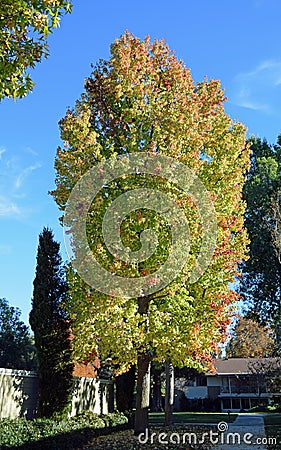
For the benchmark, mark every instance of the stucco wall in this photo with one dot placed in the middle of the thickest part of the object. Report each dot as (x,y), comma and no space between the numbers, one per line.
(93,395)
(19,394)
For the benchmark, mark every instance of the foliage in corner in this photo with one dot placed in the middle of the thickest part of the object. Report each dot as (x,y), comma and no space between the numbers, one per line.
(24,29)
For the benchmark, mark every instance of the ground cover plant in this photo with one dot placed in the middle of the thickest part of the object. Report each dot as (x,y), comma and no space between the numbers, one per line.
(88,431)
(50,434)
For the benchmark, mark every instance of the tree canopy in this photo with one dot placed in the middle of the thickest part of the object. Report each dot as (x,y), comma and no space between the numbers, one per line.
(144,101)
(250,340)
(24,29)
(16,348)
(260,284)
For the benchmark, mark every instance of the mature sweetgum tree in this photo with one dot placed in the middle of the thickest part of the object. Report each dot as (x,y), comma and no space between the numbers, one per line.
(144,100)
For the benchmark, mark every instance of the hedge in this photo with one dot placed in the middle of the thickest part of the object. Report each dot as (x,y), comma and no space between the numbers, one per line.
(46,434)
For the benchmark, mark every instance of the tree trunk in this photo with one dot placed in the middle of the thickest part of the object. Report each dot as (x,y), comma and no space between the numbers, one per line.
(125,385)
(143,393)
(143,377)
(169,393)
(156,398)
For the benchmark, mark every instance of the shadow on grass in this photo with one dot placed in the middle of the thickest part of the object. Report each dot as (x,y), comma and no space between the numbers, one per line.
(72,440)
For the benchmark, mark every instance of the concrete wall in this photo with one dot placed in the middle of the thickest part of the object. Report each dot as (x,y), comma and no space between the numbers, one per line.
(19,394)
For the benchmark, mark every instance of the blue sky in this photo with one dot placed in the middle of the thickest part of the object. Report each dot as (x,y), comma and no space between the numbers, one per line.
(236,42)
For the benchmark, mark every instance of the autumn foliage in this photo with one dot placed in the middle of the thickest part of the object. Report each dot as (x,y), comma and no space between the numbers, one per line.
(250,340)
(87,370)
(144,100)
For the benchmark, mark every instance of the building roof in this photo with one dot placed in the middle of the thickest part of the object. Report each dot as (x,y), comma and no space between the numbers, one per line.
(234,366)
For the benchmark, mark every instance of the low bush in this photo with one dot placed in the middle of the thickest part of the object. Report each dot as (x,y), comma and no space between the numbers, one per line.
(275,408)
(266,408)
(86,419)
(114,419)
(50,434)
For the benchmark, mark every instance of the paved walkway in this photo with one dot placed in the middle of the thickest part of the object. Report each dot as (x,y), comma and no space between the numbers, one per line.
(245,433)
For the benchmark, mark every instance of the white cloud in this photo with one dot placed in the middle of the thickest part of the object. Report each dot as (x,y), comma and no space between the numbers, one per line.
(16,184)
(259,89)
(31,151)
(24,174)
(9,208)
(2,151)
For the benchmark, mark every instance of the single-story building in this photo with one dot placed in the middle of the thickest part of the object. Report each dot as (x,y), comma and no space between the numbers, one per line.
(237,384)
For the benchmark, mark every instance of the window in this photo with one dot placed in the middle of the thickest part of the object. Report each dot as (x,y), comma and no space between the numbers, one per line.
(226,403)
(236,403)
(245,403)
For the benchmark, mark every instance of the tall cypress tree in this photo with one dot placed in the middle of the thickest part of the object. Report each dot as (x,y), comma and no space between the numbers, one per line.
(51,328)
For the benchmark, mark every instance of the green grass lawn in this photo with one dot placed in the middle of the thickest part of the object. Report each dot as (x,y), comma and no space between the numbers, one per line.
(272,424)
(272,419)
(273,432)
(187,417)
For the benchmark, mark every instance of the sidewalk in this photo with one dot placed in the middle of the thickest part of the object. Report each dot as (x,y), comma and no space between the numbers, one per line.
(244,433)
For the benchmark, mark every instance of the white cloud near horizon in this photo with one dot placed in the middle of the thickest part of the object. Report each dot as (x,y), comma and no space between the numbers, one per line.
(15,184)
(259,89)
(8,208)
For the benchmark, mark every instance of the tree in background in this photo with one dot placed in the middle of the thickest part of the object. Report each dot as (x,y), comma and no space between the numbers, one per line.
(261,281)
(51,328)
(144,99)
(250,340)
(24,28)
(16,348)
